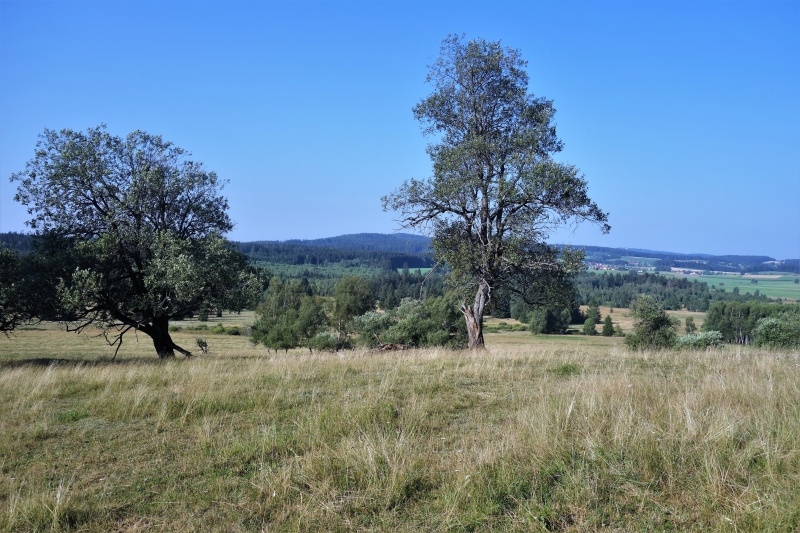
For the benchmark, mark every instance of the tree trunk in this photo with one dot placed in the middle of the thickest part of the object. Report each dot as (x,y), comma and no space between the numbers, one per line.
(162,341)
(473,316)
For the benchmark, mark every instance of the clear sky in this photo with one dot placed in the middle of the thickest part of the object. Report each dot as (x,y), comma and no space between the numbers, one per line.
(683,115)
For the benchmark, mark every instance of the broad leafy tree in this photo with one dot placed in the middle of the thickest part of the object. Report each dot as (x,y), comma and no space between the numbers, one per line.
(144,225)
(496,192)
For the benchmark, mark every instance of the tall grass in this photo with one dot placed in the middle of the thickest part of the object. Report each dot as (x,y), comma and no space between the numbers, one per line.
(518,438)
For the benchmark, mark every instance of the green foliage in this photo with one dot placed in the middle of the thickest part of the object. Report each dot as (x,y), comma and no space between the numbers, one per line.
(737,321)
(290,316)
(593,313)
(12,309)
(418,323)
(548,321)
(653,328)
(608,327)
(619,289)
(690,326)
(781,332)
(143,226)
(202,344)
(700,341)
(352,297)
(589,326)
(496,190)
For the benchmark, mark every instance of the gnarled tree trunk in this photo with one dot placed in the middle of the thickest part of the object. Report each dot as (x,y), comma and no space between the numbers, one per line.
(162,341)
(473,316)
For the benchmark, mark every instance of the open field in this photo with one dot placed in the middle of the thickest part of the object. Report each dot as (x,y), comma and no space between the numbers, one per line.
(562,434)
(770,285)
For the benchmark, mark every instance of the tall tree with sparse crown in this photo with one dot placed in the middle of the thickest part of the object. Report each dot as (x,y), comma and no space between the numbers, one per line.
(496,192)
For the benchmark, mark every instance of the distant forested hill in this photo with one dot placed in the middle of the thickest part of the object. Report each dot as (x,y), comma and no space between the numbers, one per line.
(316,253)
(404,243)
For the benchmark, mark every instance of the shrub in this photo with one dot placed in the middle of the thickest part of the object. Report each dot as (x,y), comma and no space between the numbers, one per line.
(549,321)
(778,332)
(700,341)
(324,342)
(175,328)
(233,331)
(653,328)
(589,326)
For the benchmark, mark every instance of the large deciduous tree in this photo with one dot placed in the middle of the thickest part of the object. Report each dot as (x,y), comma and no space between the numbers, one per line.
(145,228)
(496,192)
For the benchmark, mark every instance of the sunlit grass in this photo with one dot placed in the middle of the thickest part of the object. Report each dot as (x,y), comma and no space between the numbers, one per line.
(550,436)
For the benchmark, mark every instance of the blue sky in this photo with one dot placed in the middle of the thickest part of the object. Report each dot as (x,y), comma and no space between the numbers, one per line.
(684,116)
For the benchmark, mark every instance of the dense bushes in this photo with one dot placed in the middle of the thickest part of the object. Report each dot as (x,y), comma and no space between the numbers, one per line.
(700,341)
(429,322)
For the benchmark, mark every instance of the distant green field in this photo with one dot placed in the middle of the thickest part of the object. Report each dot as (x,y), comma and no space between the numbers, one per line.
(416,270)
(771,285)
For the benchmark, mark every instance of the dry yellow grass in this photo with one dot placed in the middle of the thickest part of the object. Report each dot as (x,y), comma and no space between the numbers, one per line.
(551,436)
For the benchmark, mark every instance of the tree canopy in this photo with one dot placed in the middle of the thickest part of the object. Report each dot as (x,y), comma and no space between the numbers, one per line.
(144,226)
(496,192)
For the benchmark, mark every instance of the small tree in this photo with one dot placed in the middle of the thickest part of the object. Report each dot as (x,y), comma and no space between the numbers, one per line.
(589,326)
(608,327)
(653,328)
(290,316)
(352,296)
(690,326)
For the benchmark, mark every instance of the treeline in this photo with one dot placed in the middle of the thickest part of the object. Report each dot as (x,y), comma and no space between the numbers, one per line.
(766,324)
(619,289)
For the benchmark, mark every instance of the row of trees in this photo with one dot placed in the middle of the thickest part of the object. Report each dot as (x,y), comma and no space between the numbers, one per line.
(619,289)
(765,325)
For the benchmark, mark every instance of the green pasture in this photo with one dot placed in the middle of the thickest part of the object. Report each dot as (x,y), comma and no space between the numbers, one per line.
(771,285)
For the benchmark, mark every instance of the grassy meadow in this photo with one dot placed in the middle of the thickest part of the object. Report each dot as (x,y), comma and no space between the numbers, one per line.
(534,434)
(772,285)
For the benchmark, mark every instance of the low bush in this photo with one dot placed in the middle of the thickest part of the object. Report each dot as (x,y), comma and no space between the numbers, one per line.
(699,341)
(778,332)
